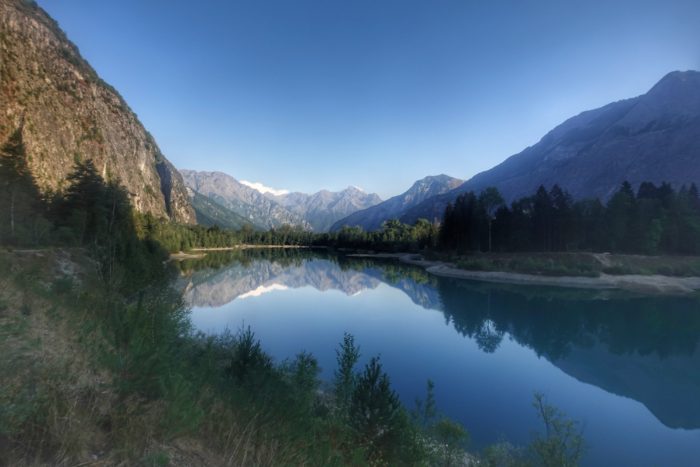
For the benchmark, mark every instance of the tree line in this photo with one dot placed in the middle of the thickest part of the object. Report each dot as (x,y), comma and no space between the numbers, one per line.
(655,219)
(91,211)
(393,236)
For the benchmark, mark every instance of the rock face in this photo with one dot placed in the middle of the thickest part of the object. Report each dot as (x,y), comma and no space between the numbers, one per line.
(394,208)
(325,208)
(66,112)
(653,137)
(247,202)
(210,213)
(317,211)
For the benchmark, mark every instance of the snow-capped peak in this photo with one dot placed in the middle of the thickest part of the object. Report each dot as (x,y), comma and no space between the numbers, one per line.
(264,189)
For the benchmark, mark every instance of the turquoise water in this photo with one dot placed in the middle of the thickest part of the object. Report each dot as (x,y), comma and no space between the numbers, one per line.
(627,367)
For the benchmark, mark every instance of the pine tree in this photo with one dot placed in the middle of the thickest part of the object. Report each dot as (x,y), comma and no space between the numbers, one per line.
(21,202)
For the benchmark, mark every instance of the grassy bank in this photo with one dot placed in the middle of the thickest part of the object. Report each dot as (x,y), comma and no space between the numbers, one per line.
(96,374)
(99,377)
(577,264)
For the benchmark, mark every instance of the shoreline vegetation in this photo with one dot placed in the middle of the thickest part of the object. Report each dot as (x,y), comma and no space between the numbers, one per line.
(103,365)
(116,381)
(627,276)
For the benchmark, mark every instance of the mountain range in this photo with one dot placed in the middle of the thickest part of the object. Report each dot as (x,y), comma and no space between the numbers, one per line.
(653,137)
(241,203)
(324,208)
(64,112)
(422,190)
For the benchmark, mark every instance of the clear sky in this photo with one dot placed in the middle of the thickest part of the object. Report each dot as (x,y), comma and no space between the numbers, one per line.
(311,94)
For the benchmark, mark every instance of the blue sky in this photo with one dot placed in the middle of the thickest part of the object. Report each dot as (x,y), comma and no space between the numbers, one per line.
(311,94)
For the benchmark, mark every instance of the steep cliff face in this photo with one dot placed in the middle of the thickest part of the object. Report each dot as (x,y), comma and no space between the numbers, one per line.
(66,112)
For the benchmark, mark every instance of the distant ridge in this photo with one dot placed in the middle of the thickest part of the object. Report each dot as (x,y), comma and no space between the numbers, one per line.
(653,137)
(240,199)
(264,209)
(425,188)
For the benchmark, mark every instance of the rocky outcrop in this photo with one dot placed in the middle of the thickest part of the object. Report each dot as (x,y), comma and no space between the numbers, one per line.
(67,113)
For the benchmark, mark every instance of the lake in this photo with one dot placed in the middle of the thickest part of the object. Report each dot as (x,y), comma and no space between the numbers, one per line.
(627,367)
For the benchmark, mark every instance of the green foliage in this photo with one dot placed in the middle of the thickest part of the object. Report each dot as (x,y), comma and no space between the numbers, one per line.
(393,236)
(376,414)
(452,439)
(246,358)
(22,209)
(562,444)
(426,410)
(546,264)
(347,356)
(505,454)
(156,459)
(655,220)
(62,285)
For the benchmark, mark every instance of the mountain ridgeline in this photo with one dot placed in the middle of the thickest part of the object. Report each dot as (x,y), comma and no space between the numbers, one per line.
(372,218)
(325,208)
(64,112)
(654,137)
(233,199)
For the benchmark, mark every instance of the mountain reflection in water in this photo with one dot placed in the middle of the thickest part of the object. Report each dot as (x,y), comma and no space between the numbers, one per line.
(643,348)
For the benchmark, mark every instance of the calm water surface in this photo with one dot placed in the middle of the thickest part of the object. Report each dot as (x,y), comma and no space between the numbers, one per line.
(627,367)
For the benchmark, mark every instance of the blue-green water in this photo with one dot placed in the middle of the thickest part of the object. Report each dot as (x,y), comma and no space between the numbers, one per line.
(627,367)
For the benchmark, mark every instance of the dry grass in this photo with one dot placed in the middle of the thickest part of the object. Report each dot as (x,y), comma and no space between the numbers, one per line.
(49,394)
(59,406)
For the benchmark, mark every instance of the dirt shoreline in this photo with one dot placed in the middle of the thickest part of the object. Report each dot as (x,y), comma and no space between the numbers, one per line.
(654,284)
(199,253)
(247,247)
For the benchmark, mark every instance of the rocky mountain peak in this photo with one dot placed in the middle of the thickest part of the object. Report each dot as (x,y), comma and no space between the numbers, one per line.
(372,218)
(317,211)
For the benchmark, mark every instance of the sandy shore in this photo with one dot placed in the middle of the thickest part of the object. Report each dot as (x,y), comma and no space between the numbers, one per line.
(656,284)
(202,252)
(247,247)
(180,255)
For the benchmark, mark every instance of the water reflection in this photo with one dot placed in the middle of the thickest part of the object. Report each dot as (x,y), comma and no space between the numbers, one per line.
(221,278)
(644,348)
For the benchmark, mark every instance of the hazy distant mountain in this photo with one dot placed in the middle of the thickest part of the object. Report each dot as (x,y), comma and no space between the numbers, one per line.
(372,218)
(247,202)
(210,213)
(654,137)
(324,208)
(265,209)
